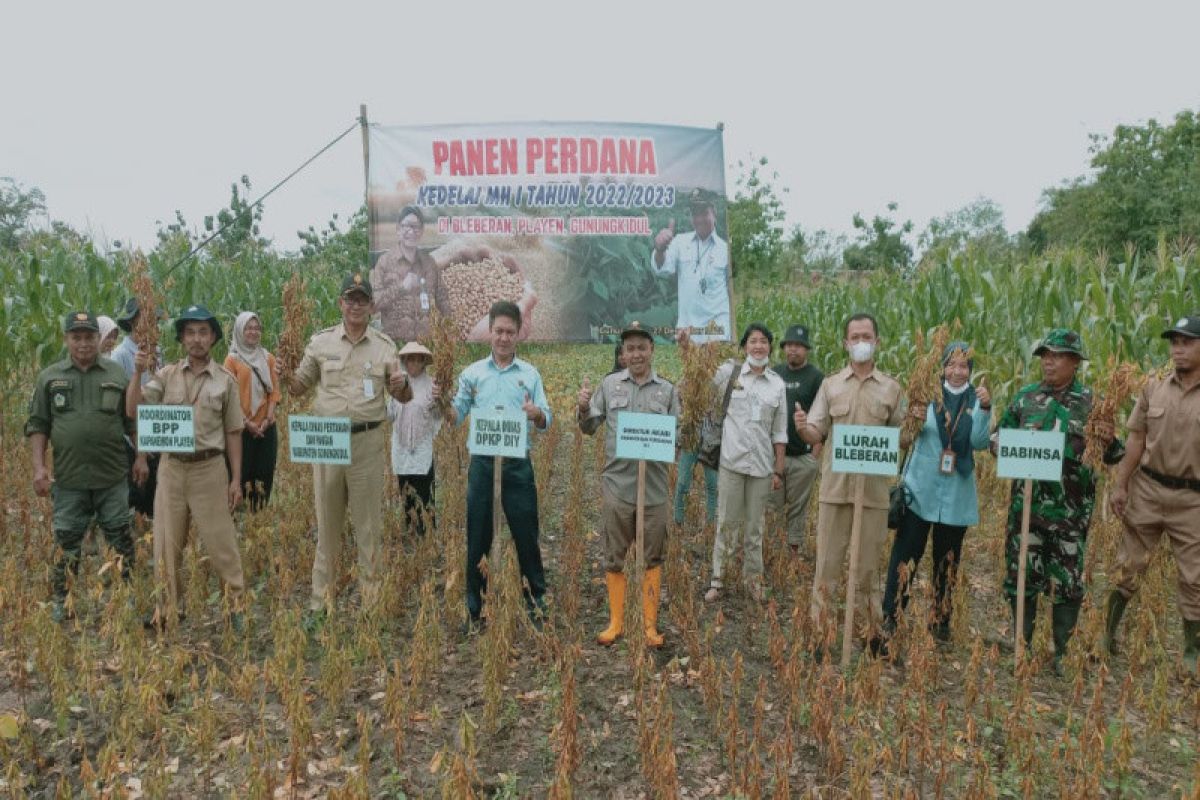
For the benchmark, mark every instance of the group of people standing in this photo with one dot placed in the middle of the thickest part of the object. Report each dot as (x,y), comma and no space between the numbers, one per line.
(774,423)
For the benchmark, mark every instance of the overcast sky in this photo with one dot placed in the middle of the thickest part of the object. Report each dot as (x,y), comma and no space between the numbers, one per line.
(123,112)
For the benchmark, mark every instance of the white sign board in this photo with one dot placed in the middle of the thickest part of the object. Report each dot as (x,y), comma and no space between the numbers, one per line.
(646,437)
(1030,454)
(498,432)
(319,440)
(865,449)
(165,429)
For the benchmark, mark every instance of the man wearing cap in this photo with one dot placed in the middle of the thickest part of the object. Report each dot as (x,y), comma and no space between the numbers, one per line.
(503,381)
(801,380)
(354,368)
(414,424)
(638,389)
(141,497)
(408,284)
(195,487)
(1062,511)
(78,408)
(700,261)
(1157,487)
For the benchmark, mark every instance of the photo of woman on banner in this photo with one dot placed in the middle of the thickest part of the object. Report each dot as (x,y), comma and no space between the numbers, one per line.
(700,262)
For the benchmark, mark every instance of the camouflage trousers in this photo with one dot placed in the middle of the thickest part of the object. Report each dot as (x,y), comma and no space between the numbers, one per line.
(1056,553)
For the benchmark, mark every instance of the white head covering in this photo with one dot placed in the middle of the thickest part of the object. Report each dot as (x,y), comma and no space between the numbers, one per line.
(253,357)
(107,326)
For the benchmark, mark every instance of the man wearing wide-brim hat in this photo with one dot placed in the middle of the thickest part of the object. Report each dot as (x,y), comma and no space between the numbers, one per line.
(1156,490)
(78,409)
(637,389)
(700,261)
(1061,512)
(195,487)
(415,423)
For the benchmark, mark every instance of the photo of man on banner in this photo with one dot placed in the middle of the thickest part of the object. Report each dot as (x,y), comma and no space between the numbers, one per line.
(700,261)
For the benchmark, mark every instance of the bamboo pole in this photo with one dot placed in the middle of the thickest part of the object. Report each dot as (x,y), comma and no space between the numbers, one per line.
(852,569)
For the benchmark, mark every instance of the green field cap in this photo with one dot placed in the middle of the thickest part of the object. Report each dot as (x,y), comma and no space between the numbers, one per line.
(1061,340)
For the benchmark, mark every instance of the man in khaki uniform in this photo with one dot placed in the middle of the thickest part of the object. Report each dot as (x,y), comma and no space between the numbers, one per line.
(637,389)
(195,487)
(858,395)
(1157,487)
(354,368)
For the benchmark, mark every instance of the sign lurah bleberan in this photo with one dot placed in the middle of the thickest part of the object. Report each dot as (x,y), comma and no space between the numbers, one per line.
(865,449)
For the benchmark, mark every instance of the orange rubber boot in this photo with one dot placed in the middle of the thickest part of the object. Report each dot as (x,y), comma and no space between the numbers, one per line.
(651,589)
(616,608)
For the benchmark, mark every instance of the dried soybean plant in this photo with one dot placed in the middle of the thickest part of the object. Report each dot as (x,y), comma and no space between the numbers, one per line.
(1123,381)
(924,380)
(141,286)
(297,318)
(698,397)
(445,340)
(475,285)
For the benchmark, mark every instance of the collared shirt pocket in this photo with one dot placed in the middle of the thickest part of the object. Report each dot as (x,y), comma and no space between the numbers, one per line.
(1155,417)
(839,408)
(618,402)
(212,398)
(110,397)
(62,398)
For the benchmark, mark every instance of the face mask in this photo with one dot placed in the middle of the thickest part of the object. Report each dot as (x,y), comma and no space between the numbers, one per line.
(861,352)
(946,385)
(758,362)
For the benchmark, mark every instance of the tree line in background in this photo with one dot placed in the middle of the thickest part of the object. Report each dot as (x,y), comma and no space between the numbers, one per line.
(1144,185)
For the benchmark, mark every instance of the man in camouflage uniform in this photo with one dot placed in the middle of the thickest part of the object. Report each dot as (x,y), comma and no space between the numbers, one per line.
(1061,511)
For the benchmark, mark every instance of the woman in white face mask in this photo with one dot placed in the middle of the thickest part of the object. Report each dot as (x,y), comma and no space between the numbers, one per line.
(753,439)
(940,478)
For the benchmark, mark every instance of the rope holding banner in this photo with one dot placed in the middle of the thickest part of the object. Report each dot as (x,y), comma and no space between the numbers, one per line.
(264,196)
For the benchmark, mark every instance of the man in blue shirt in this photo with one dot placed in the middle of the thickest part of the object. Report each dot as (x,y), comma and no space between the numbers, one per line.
(503,380)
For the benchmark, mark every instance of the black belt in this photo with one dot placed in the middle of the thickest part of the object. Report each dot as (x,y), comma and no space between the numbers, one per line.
(1172,483)
(196,457)
(359,427)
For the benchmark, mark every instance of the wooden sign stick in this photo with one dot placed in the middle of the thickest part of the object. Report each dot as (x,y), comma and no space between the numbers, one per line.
(1026,508)
(852,570)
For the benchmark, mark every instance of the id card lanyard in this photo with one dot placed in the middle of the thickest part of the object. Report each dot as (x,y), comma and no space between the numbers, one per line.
(949,459)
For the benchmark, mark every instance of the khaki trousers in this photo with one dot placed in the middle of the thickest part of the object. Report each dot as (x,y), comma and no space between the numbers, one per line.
(741,503)
(358,486)
(1153,510)
(834,522)
(799,475)
(196,493)
(620,531)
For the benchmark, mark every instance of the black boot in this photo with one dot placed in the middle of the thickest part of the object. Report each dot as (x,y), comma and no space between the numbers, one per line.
(1114,610)
(1065,615)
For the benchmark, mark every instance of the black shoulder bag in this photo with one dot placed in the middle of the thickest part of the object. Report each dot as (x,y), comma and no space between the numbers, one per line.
(709,453)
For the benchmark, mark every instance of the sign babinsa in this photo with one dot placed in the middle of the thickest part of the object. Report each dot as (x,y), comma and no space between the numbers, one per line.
(1037,455)
(865,449)
(165,429)
(498,432)
(319,440)
(646,437)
